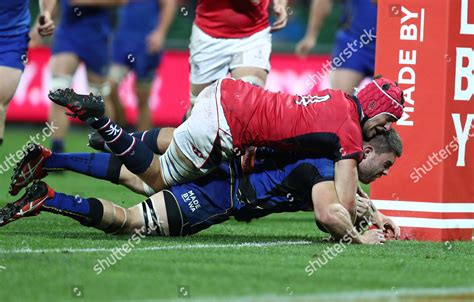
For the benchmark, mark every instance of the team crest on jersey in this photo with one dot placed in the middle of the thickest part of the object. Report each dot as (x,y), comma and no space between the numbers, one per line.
(305,100)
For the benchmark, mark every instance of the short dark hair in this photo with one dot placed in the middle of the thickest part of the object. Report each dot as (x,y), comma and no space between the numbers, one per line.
(387,142)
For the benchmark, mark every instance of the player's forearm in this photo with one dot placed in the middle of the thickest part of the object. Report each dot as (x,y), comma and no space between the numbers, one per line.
(319,10)
(47,6)
(331,214)
(167,14)
(98,2)
(337,221)
(346,182)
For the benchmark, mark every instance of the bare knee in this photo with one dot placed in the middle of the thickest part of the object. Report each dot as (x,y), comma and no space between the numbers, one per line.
(158,215)
(10,80)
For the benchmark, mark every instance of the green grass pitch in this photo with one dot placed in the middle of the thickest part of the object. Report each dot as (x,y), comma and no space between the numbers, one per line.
(52,258)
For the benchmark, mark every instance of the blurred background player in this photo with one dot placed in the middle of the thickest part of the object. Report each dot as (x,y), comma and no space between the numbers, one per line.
(14,28)
(358,58)
(82,36)
(137,45)
(232,36)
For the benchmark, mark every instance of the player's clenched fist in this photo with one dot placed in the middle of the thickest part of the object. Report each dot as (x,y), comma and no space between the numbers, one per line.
(373,237)
(45,24)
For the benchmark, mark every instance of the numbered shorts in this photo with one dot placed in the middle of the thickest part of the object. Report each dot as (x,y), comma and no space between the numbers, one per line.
(212,58)
(362,60)
(129,49)
(94,52)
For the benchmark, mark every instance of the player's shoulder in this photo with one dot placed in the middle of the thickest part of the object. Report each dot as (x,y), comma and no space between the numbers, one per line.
(337,95)
(313,170)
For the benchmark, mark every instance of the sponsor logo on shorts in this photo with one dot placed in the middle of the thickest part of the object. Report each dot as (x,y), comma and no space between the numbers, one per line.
(191,199)
(197,152)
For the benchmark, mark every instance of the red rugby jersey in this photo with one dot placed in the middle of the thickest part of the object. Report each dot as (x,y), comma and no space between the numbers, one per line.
(232,18)
(326,124)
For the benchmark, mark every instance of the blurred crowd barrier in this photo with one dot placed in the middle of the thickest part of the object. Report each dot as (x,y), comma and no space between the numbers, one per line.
(170,94)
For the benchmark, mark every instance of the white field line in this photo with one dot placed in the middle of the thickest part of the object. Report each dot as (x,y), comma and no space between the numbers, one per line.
(155,248)
(389,295)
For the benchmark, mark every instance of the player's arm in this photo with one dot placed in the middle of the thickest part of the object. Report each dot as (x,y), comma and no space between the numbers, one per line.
(279,8)
(366,208)
(45,22)
(318,12)
(156,39)
(336,219)
(346,180)
(98,2)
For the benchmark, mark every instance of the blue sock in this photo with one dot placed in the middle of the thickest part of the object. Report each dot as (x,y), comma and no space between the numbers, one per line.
(98,165)
(88,211)
(149,137)
(133,153)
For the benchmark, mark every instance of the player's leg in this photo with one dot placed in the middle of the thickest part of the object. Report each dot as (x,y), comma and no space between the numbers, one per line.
(133,153)
(254,75)
(194,91)
(113,106)
(209,61)
(157,215)
(183,210)
(143,89)
(63,66)
(38,162)
(10,79)
(13,51)
(198,146)
(352,70)
(157,139)
(145,68)
(98,85)
(346,79)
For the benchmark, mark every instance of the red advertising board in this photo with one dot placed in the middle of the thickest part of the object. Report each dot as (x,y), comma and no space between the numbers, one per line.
(427,46)
(170,92)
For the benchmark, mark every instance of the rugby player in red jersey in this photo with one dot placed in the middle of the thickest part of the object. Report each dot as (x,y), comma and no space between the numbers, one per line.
(233,115)
(232,36)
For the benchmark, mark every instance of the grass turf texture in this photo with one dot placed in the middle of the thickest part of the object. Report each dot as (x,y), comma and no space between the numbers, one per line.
(218,272)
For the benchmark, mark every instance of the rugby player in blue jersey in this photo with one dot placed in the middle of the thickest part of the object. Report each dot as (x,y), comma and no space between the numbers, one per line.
(277,184)
(14,29)
(353,55)
(138,42)
(82,35)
